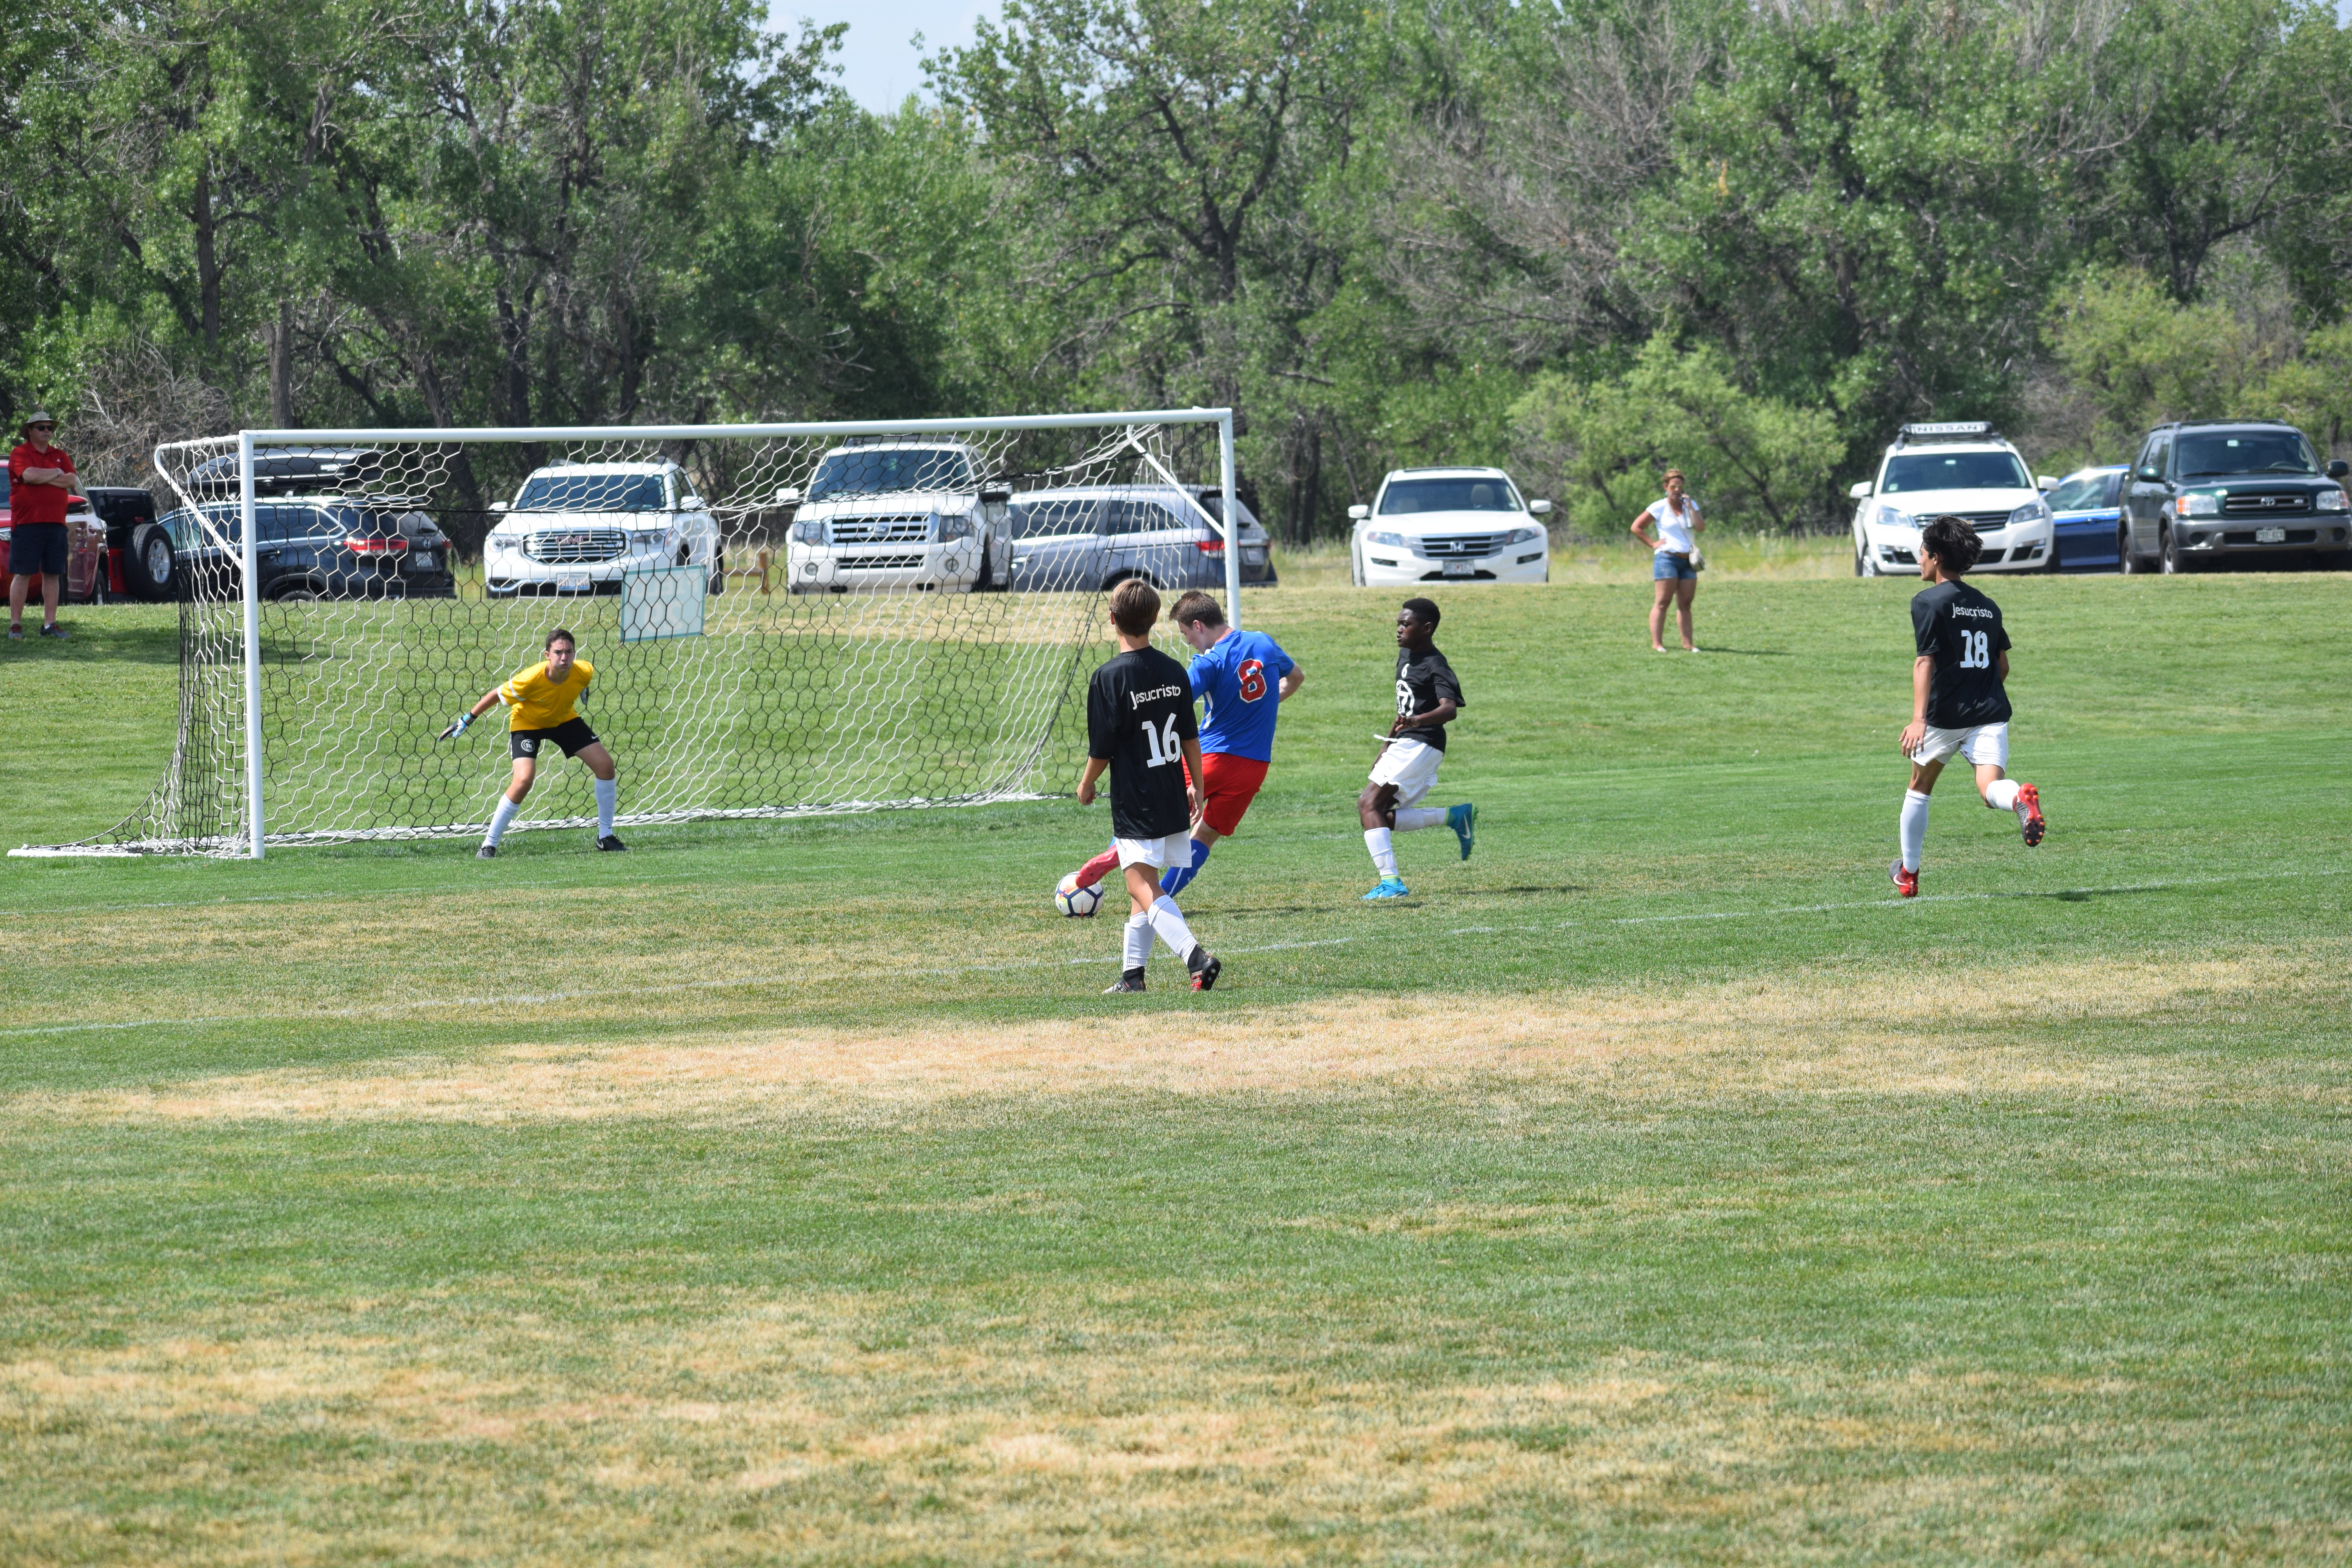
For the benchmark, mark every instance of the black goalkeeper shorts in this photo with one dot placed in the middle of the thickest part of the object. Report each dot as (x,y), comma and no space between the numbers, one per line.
(573,735)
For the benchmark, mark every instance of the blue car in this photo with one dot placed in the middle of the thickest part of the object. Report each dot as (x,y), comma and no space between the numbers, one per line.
(2086,515)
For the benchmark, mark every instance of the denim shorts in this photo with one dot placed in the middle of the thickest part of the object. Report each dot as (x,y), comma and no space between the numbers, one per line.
(1666,565)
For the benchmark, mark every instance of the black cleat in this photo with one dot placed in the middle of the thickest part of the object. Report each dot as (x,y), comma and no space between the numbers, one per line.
(1130,981)
(609,842)
(486,852)
(1205,967)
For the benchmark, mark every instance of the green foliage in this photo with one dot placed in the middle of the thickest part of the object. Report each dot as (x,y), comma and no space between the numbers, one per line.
(1754,462)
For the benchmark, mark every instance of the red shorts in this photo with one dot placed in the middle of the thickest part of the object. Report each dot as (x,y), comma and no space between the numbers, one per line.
(1230,783)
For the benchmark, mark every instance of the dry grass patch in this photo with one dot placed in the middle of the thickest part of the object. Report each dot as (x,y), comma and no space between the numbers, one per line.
(1827,1032)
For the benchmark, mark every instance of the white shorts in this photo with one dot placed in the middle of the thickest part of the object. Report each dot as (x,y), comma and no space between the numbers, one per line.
(1984,743)
(1176,849)
(1412,766)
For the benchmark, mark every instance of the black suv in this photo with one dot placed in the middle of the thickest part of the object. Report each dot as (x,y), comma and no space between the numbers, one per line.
(323,547)
(140,550)
(291,470)
(2203,492)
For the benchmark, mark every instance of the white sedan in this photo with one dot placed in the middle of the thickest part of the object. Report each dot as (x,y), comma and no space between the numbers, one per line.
(1449,525)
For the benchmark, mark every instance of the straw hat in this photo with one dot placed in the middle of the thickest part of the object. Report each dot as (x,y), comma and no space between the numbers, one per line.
(38,416)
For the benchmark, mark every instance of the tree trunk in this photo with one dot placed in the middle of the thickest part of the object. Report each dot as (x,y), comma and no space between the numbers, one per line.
(281,367)
(208,271)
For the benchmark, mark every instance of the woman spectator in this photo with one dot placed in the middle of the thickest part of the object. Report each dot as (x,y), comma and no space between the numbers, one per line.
(1674,561)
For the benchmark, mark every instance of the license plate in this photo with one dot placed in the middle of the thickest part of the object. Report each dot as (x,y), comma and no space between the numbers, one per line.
(425,563)
(2270,536)
(1461,568)
(1254,557)
(571,583)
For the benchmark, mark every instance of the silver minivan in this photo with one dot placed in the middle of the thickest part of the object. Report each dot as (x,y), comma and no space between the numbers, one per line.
(1085,536)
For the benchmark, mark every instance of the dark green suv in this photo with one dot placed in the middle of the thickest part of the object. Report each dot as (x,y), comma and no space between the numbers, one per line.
(2205,492)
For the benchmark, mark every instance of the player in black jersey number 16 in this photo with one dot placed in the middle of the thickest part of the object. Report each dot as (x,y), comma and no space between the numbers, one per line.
(1960,700)
(1139,725)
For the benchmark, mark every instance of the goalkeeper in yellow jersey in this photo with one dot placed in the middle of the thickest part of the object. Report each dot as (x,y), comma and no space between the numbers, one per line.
(539,713)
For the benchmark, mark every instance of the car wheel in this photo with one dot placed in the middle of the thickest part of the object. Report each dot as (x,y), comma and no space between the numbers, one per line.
(2050,564)
(147,566)
(2168,549)
(2128,560)
(719,571)
(297,596)
(1355,567)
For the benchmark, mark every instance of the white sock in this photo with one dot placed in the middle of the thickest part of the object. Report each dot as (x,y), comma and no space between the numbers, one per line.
(1915,827)
(1138,940)
(498,820)
(2001,795)
(608,796)
(1169,922)
(1376,839)
(1414,818)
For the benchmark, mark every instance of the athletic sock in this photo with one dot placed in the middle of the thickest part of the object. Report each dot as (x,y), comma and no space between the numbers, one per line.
(1376,840)
(2001,795)
(1096,869)
(1176,878)
(1414,818)
(1169,922)
(1915,827)
(608,796)
(498,820)
(1138,940)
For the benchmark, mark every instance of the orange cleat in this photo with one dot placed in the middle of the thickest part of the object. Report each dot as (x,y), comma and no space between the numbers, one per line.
(2029,815)
(1905,882)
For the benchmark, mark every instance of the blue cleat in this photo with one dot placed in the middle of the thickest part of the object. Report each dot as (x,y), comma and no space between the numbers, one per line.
(1389,888)
(1464,820)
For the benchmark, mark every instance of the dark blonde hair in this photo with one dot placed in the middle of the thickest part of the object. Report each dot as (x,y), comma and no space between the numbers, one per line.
(1134,606)
(1673,474)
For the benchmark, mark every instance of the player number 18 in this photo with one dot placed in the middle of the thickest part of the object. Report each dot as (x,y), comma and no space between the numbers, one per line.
(1974,651)
(1167,748)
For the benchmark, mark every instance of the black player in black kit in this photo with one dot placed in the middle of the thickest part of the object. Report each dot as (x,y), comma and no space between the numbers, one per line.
(1139,725)
(1959,703)
(1427,698)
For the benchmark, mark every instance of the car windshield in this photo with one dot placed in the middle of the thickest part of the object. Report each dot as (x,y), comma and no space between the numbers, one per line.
(1466,494)
(591,492)
(880,471)
(2246,452)
(2084,493)
(1917,471)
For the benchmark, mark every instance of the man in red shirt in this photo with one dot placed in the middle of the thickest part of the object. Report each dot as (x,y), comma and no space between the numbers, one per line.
(40,480)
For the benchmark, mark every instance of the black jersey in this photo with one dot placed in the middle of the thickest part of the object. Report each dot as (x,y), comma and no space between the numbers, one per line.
(1139,716)
(1959,628)
(1423,680)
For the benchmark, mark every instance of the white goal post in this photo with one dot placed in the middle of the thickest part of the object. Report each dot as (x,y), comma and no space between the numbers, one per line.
(785,619)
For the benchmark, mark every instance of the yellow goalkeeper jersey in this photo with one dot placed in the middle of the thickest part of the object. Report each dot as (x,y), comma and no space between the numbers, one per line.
(535,703)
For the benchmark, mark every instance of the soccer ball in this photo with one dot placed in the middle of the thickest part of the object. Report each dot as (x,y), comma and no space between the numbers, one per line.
(1078,903)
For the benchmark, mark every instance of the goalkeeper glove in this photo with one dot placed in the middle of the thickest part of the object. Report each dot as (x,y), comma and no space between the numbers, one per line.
(458,727)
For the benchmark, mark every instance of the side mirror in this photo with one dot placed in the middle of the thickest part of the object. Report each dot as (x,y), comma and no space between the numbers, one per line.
(2148,475)
(1858,490)
(1539,509)
(1358,512)
(2338,468)
(2044,482)
(789,495)
(498,506)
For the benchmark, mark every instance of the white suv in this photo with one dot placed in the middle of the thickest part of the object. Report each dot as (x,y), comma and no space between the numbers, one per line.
(893,513)
(578,528)
(1449,525)
(1963,470)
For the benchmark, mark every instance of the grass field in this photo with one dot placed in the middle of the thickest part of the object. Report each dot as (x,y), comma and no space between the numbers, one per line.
(1653,1187)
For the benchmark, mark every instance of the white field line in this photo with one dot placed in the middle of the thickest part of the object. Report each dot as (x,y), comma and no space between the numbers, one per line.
(756,981)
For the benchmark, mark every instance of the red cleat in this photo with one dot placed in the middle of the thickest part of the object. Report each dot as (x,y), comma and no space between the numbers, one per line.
(2029,815)
(1905,882)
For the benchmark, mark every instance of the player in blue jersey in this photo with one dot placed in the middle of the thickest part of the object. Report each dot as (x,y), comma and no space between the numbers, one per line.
(1233,673)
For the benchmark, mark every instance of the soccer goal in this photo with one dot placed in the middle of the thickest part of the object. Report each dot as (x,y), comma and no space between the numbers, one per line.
(784,619)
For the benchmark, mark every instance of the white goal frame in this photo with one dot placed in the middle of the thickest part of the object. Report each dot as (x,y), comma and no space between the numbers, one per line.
(253,442)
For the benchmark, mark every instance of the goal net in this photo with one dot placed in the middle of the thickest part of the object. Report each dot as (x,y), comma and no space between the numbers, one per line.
(782,620)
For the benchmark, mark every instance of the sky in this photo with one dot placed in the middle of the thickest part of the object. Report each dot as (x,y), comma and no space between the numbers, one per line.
(879,66)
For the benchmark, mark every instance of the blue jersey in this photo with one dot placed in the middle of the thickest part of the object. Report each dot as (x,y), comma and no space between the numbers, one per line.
(1235,681)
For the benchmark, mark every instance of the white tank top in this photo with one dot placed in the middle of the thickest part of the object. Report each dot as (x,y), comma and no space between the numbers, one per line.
(1674,528)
